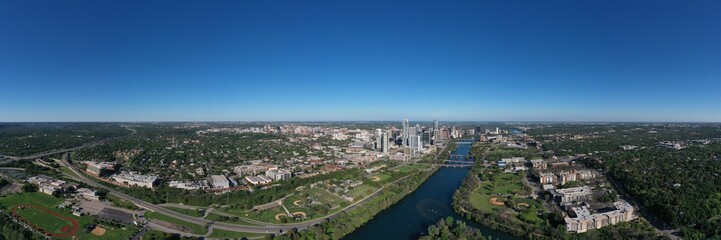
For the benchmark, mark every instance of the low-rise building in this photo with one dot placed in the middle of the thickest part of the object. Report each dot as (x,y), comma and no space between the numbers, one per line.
(219,181)
(547,178)
(278,174)
(539,164)
(189,185)
(136,179)
(585,221)
(100,168)
(88,193)
(568,195)
(258,180)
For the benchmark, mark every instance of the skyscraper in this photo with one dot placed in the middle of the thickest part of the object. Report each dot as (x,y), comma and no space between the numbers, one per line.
(435,125)
(384,143)
(405,132)
(378,138)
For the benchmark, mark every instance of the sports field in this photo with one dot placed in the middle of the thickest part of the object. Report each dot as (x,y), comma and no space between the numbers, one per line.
(46,220)
(56,219)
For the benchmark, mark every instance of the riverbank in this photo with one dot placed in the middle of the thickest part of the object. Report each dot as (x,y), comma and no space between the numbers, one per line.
(347,222)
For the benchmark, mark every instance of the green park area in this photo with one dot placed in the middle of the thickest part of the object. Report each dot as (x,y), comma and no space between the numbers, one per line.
(194,228)
(379,177)
(224,234)
(361,191)
(491,194)
(189,212)
(52,219)
(410,167)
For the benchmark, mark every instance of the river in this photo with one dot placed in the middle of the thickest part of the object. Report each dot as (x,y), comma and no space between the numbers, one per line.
(411,216)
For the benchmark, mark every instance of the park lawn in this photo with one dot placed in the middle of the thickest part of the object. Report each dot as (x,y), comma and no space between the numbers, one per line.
(310,213)
(121,203)
(361,191)
(193,213)
(43,219)
(383,177)
(267,215)
(410,168)
(32,197)
(530,202)
(195,228)
(324,196)
(218,233)
(219,218)
(483,202)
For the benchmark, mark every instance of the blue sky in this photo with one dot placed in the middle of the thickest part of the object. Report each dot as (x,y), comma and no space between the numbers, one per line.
(360,60)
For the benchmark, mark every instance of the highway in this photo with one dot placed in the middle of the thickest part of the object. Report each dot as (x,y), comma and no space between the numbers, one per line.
(268,228)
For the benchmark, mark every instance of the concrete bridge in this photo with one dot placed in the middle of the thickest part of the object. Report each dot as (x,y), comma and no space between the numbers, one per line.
(458,162)
(454,165)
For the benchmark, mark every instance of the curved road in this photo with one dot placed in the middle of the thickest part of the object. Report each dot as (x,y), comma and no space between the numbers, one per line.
(268,228)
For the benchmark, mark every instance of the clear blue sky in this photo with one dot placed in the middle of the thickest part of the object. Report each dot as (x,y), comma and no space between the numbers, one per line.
(360,60)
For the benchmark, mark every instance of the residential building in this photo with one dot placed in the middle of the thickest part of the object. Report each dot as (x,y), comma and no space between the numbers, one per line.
(568,195)
(539,164)
(585,221)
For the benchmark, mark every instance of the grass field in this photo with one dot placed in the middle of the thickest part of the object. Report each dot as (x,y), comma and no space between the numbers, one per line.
(197,229)
(361,191)
(383,177)
(33,198)
(44,220)
(121,203)
(482,201)
(50,223)
(218,233)
(410,167)
(325,197)
(219,218)
(110,233)
(194,213)
(267,215)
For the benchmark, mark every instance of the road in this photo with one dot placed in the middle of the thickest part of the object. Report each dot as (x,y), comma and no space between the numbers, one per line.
(267,228)
(31,157)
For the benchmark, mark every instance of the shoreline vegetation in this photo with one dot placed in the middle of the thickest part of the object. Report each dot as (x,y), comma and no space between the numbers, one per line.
(347,222)
(549,225)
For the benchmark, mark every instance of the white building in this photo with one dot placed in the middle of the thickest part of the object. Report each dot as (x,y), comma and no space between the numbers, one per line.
(219,181)
(136,179)
(585,221)
(278,174)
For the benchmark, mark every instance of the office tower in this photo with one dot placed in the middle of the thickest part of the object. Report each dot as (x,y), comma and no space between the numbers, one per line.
(405,131)
(418,129)
(378,138)
(435,125)
(478,129)
(436,136)
(384,143)
(426,137)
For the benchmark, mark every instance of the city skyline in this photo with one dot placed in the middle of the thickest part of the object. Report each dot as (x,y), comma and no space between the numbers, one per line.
(360,61)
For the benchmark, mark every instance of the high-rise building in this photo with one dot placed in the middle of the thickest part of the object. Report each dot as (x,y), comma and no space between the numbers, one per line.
(378,138)
(415,143)
(426,137)
(478,129)
(435,125)
(405,131)
(384,143)
(436,136)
